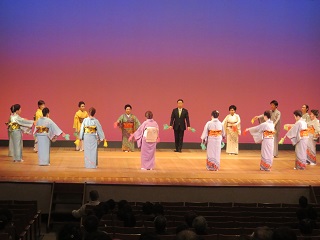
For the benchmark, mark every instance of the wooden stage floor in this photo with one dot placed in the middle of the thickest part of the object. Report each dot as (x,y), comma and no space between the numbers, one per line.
(180,169)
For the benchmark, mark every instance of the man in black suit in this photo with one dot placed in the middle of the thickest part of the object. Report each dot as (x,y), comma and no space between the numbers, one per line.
(179,120)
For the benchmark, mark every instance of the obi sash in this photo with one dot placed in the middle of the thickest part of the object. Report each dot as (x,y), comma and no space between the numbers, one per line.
(90,129)
(128,125)
(42,129)
(304,133)
(311,130)
(14,126)
(268,134)
(230,126)
(214,133)
(151,134)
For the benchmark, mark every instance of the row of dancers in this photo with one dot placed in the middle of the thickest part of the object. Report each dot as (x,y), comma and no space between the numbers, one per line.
(88,131)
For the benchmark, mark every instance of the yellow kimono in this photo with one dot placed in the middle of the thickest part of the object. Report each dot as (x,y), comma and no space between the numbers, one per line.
(38,114)
(77,121)
(36,117)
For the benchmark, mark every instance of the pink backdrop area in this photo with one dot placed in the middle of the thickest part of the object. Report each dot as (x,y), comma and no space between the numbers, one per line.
(109,53)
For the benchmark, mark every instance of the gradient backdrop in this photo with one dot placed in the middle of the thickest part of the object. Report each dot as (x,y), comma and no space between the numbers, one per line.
(149,53)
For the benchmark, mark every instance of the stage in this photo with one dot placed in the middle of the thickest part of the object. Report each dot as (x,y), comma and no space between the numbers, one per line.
(178,169)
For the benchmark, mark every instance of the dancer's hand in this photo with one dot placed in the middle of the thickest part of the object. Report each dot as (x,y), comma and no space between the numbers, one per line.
(131,137)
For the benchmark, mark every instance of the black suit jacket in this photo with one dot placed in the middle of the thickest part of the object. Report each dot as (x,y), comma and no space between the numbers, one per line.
(179,123)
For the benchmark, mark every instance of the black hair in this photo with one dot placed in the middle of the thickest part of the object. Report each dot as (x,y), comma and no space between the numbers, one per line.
(126,106)
(179,100)
(11,109)
(92,111)
(233,107)
(297,113)
(41,102)
(267,114)
(160,223)
(215,114)
(315,112)
(149,115)
(94,195)
(275,102)
(307,107)
(80,103)
(45,111)
(15,108)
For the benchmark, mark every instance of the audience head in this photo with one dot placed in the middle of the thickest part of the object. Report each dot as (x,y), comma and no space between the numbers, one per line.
(187,235)
(303,202)
(200,225)
(94,195)
(111,204)
(262,233)
(160,224)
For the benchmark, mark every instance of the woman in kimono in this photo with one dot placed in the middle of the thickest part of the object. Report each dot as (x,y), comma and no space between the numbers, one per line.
(264,134)
(92,134)
(18,126)
(231,124)
(147,136)
(212,137)
(276,119)
(45,131)
(313,131)
(298,135)
(305,114)
(77,121)
(128,123)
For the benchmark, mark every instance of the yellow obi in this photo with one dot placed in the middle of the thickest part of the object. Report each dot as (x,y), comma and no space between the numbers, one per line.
(42,129)
(90,129)
(14,126)
(128,125)
(214,133)
(304,133)
(268,133)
